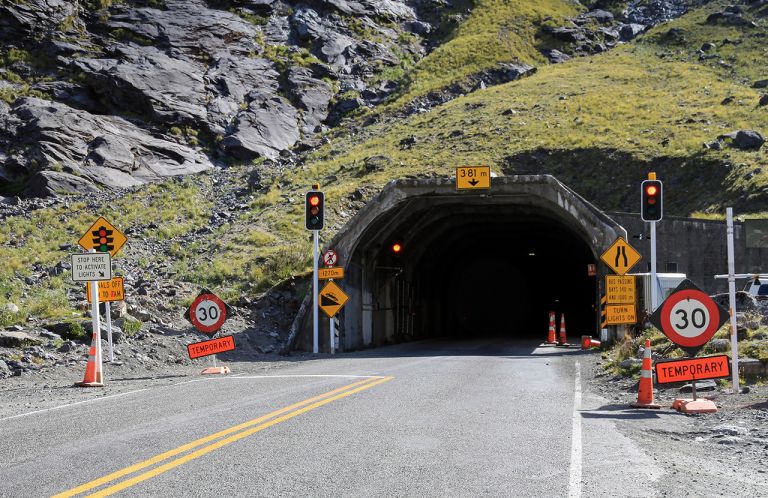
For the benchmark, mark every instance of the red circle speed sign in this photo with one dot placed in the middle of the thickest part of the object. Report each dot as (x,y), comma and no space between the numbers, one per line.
(690,318)
(208,313)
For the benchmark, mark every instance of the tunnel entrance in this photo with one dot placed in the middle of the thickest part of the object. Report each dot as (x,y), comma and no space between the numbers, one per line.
(482,271)
(471,264)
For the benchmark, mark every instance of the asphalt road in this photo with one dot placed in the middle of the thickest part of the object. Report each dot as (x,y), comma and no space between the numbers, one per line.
(490,417)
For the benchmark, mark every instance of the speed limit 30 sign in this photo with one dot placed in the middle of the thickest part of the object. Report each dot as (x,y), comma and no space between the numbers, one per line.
(689,317)
(207,313)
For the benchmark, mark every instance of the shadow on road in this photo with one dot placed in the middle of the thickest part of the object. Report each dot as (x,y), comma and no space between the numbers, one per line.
(624,412)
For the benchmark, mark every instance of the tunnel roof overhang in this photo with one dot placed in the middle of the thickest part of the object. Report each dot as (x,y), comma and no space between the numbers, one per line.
(409,206)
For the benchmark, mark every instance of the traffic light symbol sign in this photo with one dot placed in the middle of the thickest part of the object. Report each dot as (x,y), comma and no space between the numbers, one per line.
(103,240)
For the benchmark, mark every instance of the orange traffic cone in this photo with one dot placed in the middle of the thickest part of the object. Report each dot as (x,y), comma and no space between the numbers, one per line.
(93,377)
(563,340)
(588,343)
(551,333)
(645,391)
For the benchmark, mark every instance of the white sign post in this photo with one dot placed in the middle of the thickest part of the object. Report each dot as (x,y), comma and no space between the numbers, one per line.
(732,303)
(108,311)
(95,318)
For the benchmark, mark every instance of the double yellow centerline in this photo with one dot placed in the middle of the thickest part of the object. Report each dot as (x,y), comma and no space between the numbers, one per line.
(215,441)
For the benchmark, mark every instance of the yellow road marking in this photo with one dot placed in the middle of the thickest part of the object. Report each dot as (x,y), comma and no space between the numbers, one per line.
(223,442)
(194,444)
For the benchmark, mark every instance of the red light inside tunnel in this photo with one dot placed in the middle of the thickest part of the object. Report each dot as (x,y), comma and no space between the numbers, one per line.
(397,247)
(651,190)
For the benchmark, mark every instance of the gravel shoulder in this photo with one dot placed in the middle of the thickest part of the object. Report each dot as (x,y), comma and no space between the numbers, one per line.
(718,454)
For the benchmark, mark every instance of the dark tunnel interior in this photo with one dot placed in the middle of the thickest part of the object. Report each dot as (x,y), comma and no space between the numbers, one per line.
(486,273)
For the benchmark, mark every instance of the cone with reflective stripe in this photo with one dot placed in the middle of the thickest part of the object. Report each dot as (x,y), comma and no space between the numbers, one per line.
(551,333)
(645,390)
(93,376)
(562,340)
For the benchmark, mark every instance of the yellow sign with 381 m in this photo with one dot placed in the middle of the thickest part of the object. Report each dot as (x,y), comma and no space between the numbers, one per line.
(473,177)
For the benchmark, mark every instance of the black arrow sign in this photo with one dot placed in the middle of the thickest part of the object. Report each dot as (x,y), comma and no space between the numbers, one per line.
(473,182)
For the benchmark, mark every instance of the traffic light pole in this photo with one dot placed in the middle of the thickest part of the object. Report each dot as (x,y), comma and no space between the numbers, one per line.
(315,290)
(654,283)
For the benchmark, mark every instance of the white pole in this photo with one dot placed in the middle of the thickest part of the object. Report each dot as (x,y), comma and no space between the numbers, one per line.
(315,290)
(108,308)
(732,303)
(654,283)
(96,320)
(332,335)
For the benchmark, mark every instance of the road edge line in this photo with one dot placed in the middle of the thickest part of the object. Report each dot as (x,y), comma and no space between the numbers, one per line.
(574,482)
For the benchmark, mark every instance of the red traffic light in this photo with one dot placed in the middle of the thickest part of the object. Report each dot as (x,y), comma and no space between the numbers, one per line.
(314,200)
(651,190)
(397,247)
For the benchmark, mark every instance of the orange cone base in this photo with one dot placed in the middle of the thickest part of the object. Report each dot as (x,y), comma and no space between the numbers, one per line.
(89,384)
(652,406)
(700,405)
(215,371)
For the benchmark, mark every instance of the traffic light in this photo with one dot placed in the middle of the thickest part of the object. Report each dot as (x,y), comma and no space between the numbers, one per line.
(314,204)
(102,240)
(651,204)
(396,247)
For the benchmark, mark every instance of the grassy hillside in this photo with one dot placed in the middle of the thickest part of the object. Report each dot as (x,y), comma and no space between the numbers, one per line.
(599,124)
(496,31)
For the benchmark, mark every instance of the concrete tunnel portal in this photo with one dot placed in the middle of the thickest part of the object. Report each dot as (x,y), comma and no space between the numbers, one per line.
(472,263)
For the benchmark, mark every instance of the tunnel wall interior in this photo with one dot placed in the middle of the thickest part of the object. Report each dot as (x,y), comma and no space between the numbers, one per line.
(471,271)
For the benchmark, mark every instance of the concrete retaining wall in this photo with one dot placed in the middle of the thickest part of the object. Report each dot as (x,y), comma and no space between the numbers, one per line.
(698,247)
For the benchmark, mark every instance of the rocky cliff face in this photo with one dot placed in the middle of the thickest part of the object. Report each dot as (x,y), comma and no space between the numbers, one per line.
(116,93)
(120,93)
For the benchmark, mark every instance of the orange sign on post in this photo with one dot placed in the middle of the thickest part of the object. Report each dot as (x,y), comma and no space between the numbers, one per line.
(109,290)
(214,346)
(330,273)
(706,367)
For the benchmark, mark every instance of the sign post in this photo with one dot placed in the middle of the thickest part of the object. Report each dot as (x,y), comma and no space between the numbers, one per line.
(95,318)
(315,288)
(732,303)
(109,292)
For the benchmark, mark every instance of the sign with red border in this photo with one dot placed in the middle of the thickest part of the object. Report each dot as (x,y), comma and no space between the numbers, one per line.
(706,367)
(207,313)
(213,346)
(330,258)
(689,317)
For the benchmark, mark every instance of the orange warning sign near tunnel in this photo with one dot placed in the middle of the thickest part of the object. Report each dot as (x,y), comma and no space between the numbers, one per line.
(332,299)
(214,346)
(707,367)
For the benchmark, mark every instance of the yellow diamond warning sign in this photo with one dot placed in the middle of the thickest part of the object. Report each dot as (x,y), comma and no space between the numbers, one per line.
(473,177)
(332,299)
(621,256)
(103,237)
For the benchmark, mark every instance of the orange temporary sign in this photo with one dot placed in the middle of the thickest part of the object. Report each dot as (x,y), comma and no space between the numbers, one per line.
(214,346)
(109,290)
(706,367)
